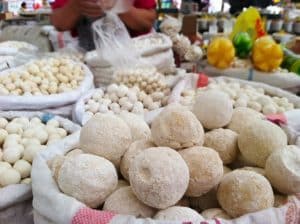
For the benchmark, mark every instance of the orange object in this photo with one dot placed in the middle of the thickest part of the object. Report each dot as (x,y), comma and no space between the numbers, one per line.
(220,52)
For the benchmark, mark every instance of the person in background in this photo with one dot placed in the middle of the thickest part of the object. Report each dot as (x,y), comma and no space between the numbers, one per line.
(237,6)
(78,16)
(23,7)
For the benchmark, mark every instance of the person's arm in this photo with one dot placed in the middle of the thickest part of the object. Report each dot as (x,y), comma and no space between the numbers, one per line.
(140,20)
(65,18)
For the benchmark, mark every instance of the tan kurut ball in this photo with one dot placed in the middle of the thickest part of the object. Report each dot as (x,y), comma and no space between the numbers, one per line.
(135,148)
(206,169)
(124,202)
(215,213)
(213,109)
(177,127)
(241,192)
(259,140)
(283,170)
(224,141)
(88,178)
(242,117)
(178,213)
(159,177)
(139,128)
(107,136)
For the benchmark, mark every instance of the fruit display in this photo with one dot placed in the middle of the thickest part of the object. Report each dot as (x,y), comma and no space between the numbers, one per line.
(220,52)
(243,44)
(42,77)
(21,139)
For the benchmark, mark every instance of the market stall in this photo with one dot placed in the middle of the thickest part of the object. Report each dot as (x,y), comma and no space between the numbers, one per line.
(191,124)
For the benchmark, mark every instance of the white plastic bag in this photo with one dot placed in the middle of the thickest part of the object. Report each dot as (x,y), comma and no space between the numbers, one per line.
(45,102)
(15,200)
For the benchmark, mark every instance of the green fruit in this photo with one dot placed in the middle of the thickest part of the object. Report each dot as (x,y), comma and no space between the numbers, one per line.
(243,44)
(296,67)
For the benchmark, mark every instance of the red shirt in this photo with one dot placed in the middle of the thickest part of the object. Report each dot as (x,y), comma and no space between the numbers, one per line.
(141,4)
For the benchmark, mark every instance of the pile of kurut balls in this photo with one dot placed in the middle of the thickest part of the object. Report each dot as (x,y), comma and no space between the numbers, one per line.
(207,162)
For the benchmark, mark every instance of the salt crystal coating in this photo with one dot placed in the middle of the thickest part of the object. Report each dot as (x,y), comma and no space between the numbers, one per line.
(259,140)
(177,127)
(107,136)
(124,202)
(224,141)
(159,177)
(255,169)
(213,109)
(178,213)
(88,178)
(206,169)
(238,196)
(135,148)
(215,213)
(139,128)
(242,117)
(283,170)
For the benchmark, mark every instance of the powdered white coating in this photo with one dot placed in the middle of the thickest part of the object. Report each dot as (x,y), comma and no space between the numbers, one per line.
(242,117)
(159,177)
(88,178)
(224,141)
(283,170)
(206,169)
(213,109)
(124,202)
(23,167)
(215,213)
(177,127)
(241,192)
(259,140)
(139,128)
(107,136)
(178,213)
(135,148)
(255,169)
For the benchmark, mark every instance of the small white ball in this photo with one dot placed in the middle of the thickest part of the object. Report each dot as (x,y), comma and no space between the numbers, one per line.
(53,123)
(23,167)
(26,181)
(61,132)
(41,135)
(241,103)
(113,88)
(269,109)
(35,120)
(10,176)
(14,128)
(3,135)
(30,152)
(11,155)
(3,122)
(103,108)
(255,106)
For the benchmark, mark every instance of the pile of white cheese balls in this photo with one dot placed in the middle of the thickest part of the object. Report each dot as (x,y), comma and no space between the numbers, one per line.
(178,165)
(147,79)
(243,96)
(20,140)
(118,98)
(43,77)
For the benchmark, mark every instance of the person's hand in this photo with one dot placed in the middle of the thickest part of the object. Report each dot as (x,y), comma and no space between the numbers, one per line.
(89,8)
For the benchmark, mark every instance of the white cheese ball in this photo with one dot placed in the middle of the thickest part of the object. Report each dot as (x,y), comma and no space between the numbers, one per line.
(213,213)
(41,134)
(73,153)
(224,141)
(269,109)
(3,122)
(107,136)
(242,117)
(206,169)
(179,213)
(154,177)
(241,192)
(30,152)
(255,169)
(259,140)
(14,128)
(135,148)
(124,202)
(177,128)
(9,176)
(53,123)
(283,170)
(213,109)
(12,154)
(23,167)
(3,135)
(88,178)
(138,127)
(26,181)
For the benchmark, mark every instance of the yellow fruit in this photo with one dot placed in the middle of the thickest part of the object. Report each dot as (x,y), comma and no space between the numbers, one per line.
(267,55)
(220,52)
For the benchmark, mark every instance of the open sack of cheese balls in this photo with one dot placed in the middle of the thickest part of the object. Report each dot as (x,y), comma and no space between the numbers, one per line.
(45,83)
(22,136)
(205,161)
